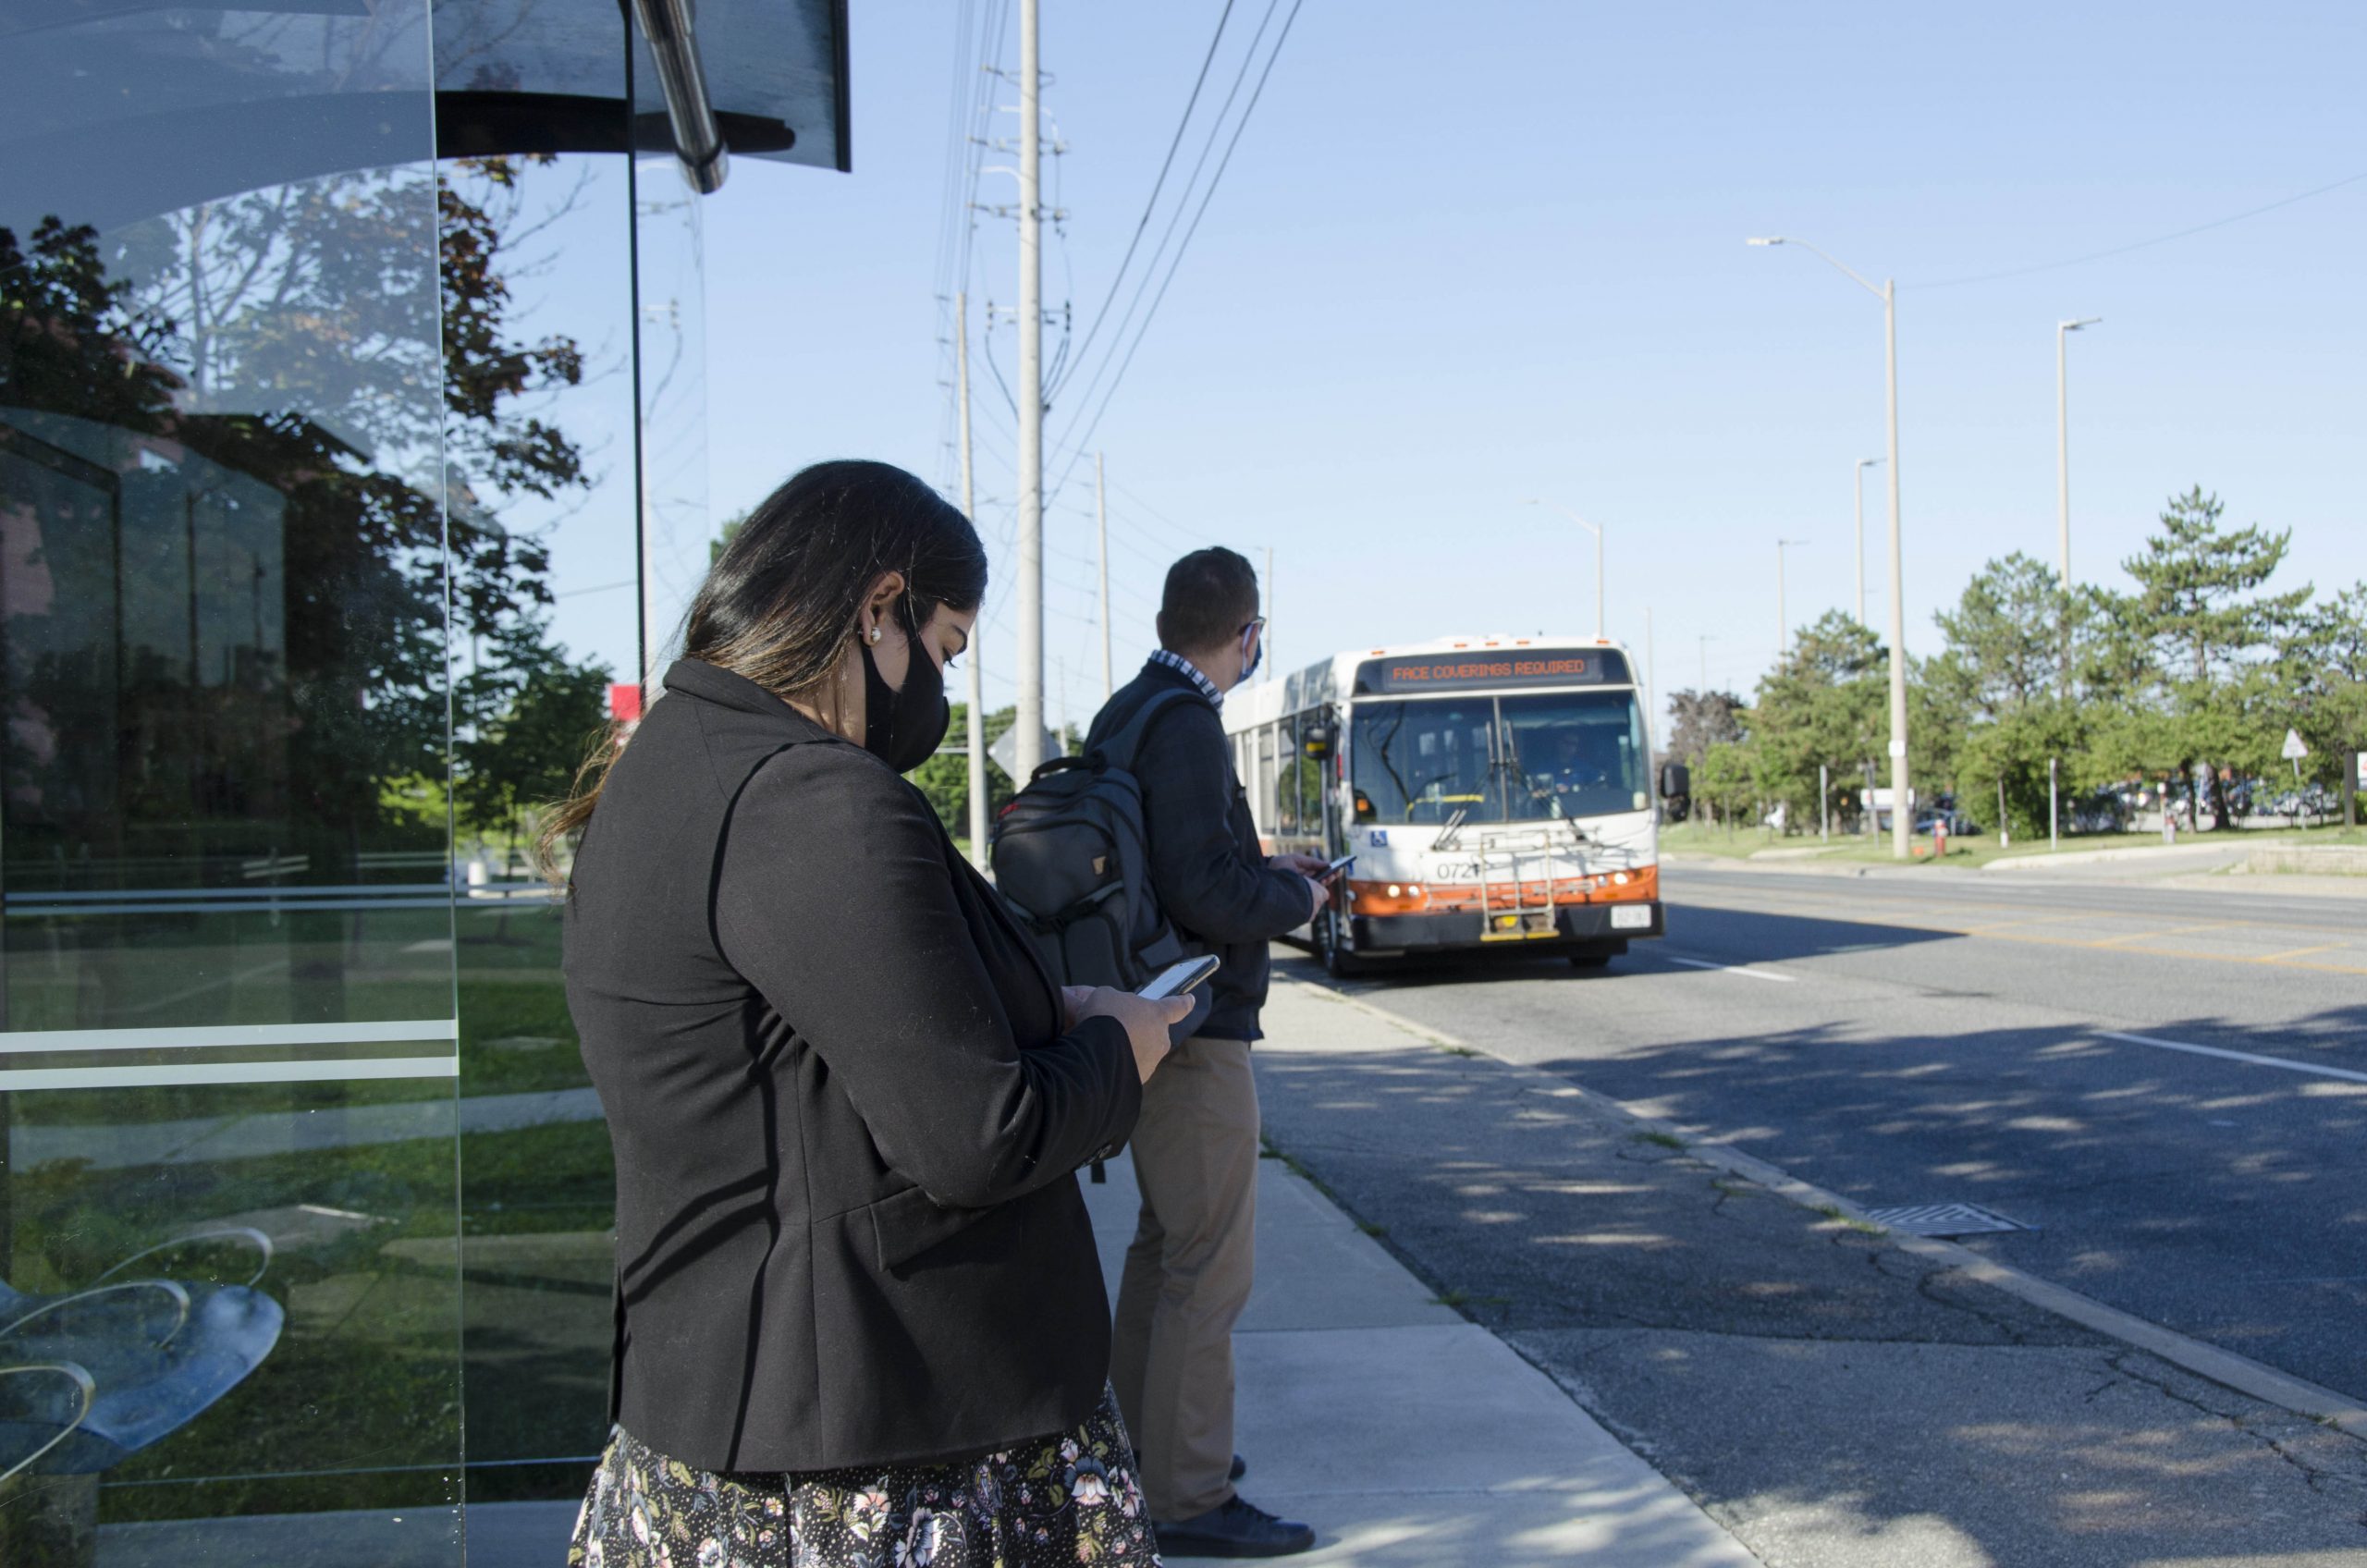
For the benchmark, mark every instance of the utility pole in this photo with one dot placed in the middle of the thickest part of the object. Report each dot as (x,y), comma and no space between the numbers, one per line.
(1101,525)
(1266,638)
(977,726)
(1028,750)
(1863,464)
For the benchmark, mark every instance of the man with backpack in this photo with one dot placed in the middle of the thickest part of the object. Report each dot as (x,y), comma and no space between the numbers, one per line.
(1195,1146)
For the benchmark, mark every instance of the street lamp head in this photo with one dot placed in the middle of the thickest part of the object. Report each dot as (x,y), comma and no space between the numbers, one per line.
(2076,326)
(1770,239)
(1869,462)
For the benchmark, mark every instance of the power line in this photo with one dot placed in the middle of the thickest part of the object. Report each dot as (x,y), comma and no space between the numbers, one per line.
(1150,272)
(2143,244)
(1214,180)
(1174,144)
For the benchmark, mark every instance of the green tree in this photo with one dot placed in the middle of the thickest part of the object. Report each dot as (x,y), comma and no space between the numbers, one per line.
(1726,781)
(2200,603)
(530,717)
(2001,691)
(2325,667)
(1698,720)
(1826,705)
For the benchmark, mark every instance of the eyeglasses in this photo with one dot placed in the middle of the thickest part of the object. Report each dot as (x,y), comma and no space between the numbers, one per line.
(1256,624)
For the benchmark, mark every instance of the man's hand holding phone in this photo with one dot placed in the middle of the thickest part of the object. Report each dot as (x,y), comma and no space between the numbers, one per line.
(1322,876)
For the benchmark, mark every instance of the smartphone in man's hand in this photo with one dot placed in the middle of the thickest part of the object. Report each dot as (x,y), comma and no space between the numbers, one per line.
(1178,978)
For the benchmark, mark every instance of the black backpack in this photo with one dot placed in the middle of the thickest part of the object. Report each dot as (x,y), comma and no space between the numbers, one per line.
(1073,861)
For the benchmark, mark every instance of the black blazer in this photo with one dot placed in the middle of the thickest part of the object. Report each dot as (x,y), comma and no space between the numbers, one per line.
(846,1120)
(1205,865)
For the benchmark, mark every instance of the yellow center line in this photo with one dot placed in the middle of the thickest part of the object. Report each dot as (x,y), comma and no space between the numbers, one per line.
(2016,924)
(2166,931)
(2300,952)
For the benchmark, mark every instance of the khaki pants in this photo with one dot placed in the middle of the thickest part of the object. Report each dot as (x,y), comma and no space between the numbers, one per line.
(1188,1273)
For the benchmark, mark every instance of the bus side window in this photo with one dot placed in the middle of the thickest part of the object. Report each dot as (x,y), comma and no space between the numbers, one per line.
(1264,791)
(1286,777)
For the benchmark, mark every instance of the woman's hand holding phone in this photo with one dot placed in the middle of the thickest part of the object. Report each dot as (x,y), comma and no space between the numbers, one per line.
(1146,1020)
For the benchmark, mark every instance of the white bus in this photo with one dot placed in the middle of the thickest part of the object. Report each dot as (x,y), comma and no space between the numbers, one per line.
(1493,789)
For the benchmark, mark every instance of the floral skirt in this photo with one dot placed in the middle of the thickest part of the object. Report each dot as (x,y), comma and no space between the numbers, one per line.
(1067,1499)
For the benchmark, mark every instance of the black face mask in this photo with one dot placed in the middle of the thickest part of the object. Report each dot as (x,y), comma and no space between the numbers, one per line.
(904,729)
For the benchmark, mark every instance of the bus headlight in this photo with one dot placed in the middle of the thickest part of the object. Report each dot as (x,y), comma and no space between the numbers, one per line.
(1619,879)
(1396,892)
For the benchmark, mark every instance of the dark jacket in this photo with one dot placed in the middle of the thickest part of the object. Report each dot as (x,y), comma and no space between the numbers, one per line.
(1206,866)
(844,1115)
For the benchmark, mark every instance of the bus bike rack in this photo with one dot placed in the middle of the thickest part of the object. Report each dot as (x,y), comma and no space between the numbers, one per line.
(1500,856)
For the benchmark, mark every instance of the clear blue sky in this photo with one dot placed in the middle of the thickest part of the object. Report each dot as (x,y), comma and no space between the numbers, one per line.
(1469,254)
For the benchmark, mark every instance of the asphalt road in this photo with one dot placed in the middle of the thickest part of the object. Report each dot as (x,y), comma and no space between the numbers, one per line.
(2015,1044)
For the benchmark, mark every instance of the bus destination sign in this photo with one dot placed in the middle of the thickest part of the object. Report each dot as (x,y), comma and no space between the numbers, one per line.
(1492,667)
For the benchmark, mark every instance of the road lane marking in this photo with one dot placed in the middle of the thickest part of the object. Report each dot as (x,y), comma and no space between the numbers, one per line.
(2239,1372)
(2165,931)
(1771,908)
(1729,968)
(2284,1062)
(1971,905)
(2303,952)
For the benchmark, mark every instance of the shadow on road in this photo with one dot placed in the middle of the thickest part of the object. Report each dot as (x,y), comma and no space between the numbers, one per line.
(1833,1398)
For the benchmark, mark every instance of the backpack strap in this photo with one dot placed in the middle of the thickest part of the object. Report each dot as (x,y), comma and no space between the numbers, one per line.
(1126,740)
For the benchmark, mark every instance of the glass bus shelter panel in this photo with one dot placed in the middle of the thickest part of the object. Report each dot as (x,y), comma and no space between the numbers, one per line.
(670,338)
(1574,753)
(538,1186)
(227,1074)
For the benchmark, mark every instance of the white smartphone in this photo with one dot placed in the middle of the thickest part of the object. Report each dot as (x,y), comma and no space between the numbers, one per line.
(1178,978)
(1336,867)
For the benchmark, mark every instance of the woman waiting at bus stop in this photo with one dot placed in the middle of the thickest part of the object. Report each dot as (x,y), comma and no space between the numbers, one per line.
(859,1315)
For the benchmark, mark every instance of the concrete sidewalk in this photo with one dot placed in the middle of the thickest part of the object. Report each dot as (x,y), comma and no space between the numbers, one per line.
(1404,1434)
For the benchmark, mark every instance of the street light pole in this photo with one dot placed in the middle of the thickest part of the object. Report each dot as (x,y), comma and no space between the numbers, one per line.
(1901,817)
(1863,464)
(1591,528)
(2063,331)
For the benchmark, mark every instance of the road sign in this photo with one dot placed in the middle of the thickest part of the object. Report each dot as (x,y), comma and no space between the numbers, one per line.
(2294,750)
(1004,754)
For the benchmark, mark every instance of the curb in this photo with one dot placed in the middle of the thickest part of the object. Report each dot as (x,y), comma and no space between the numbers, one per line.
(2225,1368)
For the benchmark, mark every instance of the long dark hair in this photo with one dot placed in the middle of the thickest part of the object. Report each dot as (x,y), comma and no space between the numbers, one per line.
(780,602)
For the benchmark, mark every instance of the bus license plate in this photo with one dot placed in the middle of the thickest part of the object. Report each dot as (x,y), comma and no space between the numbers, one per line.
(1631,917)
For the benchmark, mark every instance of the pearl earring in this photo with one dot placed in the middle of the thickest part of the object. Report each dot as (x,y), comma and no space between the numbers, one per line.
(875,634)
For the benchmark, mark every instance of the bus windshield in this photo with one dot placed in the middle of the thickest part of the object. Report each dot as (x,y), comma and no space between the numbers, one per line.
(1530,757)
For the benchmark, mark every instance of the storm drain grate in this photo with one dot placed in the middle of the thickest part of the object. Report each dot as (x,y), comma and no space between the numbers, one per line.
(1944,1219)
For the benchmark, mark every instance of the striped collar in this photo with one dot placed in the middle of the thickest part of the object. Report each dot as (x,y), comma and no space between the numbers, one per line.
(1190,671)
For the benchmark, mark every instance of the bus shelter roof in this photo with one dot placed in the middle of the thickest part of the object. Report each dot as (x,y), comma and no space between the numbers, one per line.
(116,110)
